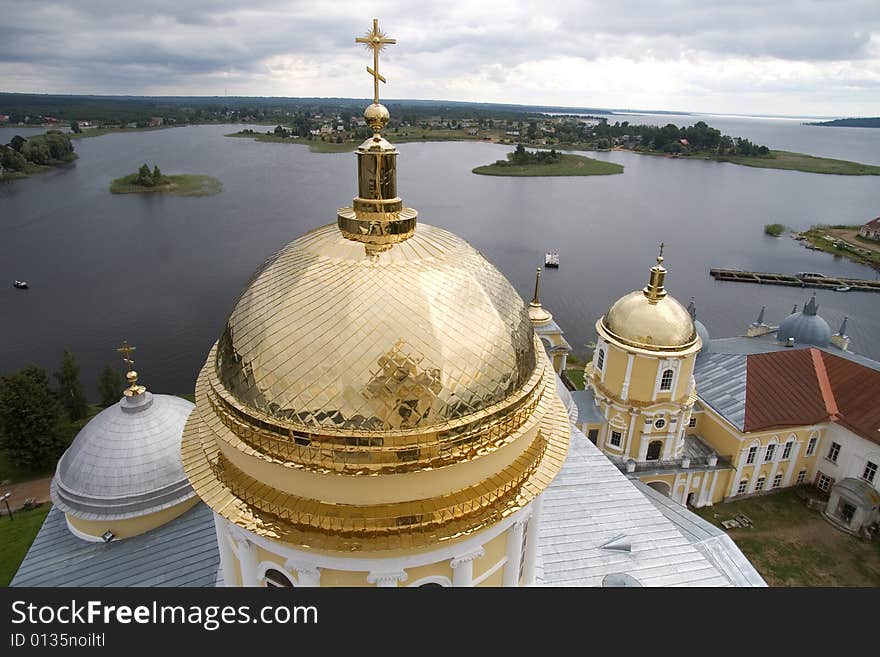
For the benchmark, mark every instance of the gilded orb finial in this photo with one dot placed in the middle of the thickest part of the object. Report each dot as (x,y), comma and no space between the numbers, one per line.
(654,290)
(131,376)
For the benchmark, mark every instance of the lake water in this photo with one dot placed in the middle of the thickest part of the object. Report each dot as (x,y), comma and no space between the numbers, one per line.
(164,272)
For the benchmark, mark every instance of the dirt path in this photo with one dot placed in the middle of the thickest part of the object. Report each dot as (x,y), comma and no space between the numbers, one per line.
(36,488)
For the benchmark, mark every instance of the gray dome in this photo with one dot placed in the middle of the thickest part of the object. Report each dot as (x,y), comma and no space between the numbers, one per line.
(703,332)
(126,461)
(806,327)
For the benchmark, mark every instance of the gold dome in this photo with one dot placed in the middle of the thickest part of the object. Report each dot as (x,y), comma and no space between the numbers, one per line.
(650,319)
(661,326)
(418,363)
(329,337)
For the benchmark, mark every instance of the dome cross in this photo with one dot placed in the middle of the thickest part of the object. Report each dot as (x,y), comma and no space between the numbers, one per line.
(375,40)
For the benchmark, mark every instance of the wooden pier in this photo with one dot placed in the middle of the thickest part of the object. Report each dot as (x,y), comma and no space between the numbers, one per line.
(806,280)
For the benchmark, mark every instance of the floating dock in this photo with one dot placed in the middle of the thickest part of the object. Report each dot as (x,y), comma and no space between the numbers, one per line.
(821,282)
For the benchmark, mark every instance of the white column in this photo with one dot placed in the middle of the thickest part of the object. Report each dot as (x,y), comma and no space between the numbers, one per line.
(734,483)
(532,543)
(247,561)
(786,480)
(307,575)
(387,579)
(227,562)
(643,446)
(687,488)
(629,435)
(514,554)
(712,488)
(624,392)
(701,498)
(463,568)
(777,455)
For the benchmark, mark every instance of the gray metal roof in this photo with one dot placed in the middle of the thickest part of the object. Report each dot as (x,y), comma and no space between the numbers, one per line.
(182,552)
(591,512)
(721,384)
(712,542)
(768,343)
(126,461)
(586,406)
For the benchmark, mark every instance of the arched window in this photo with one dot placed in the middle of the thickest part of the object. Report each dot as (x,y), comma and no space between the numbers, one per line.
(277,579)
(666,380)
(600,359)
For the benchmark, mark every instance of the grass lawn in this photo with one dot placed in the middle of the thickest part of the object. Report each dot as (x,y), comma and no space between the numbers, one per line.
(576,376)
(569,165)
(187,184)
(16,536)
(790,545)
(802,162)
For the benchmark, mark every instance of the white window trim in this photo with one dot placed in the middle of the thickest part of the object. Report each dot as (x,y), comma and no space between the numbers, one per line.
(757,449)
(836,458)
(662,366)
(865,469)
(812,444)
(743,486)
(801,477)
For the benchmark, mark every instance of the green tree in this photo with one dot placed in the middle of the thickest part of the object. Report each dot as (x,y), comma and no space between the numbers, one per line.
(157,175)
(145,178)
(32,427)
(74,127)
(70,390)
(36,151)
(17,142)
(110,386)
(13,160)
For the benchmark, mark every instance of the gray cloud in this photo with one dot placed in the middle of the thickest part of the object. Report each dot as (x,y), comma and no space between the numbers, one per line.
(267,47)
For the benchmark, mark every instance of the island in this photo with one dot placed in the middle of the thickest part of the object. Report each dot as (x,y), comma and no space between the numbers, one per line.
(522,162)
(21,157)
(864,122)
(147,181)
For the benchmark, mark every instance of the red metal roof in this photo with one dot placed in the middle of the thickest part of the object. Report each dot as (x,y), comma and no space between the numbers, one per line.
(806,386)
(874,224)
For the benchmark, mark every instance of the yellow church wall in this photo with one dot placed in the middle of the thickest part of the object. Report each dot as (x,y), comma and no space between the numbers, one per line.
(720,435)
(615,368)
(495,550)
(642,378)
(131,526)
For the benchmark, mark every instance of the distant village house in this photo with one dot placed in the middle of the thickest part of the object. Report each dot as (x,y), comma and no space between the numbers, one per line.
(871,230)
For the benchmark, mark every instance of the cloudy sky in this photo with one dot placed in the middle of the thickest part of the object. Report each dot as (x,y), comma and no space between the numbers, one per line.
(794,57)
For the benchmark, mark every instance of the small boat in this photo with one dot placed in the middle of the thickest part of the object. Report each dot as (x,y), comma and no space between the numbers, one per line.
(21,285)
(810,274)
(551,259)
(842,288)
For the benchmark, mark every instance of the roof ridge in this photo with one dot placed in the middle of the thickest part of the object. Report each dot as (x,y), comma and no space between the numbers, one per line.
(824,384)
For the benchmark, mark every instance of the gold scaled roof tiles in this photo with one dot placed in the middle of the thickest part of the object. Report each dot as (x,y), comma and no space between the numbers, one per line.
(329,337)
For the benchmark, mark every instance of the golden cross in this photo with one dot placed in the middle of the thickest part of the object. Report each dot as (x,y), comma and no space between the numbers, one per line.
(375,40)
(126,350)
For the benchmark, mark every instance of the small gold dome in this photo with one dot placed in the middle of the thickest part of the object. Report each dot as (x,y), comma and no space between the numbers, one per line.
(655,325)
